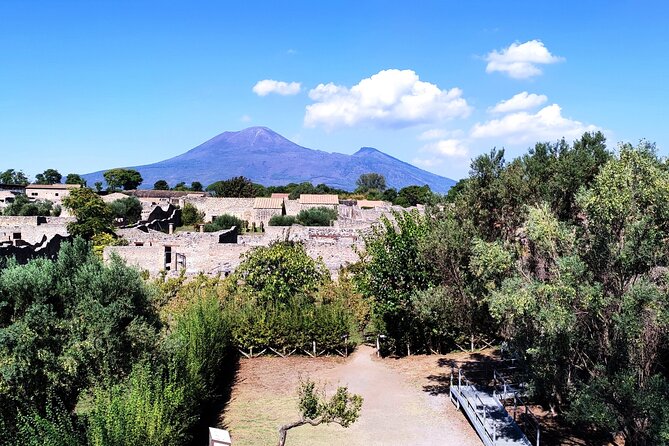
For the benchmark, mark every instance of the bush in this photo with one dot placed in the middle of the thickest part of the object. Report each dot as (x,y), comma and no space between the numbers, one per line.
(191,216)
(127,210)
(223,222)
(146,409)
(320,216)
(282,220)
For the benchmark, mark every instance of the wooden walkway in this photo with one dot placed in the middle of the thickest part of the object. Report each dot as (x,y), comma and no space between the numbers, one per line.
(486,413)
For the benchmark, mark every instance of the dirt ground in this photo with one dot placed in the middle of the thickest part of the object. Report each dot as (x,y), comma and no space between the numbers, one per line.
(396,409)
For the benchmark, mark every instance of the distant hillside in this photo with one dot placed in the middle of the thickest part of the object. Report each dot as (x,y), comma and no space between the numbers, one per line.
(268,158)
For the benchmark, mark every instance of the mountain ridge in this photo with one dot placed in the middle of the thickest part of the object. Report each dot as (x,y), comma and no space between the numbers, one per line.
(269,158)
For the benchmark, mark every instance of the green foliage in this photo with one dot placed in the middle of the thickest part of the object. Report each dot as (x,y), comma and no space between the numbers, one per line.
(73,178)
(23,206)
(342,408)
(146,409)
(196,186)
(223,222)
(49,176)
(11,176)
(191,216)
(127,211)
(237,187)
(67,324)
(127,179)
(318,216)
(161,185)
(93,215)
(394,269)
(278,272)
(413,195)
(371,182)
(57,427)
(282,220)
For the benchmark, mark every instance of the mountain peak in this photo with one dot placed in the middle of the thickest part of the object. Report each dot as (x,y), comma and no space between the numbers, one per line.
(268,158)
(367,151)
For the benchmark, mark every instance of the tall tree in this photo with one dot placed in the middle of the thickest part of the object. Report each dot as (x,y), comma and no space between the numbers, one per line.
(11,176)
(92,213)
(49,176)
(74,178)
(371,182)
(127,179)
(237,187)
(161,185)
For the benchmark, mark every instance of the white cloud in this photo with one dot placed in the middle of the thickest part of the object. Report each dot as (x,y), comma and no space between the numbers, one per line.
(452,148)
(245,118)
(427,163)
(432,134)
(521,60)
(389,98)
(521,101)
(523,127)
(267,86)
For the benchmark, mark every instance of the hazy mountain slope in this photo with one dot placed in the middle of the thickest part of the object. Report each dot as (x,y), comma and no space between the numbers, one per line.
(270,159)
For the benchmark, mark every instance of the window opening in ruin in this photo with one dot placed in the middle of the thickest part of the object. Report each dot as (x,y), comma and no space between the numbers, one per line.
(168,258)
(16,236)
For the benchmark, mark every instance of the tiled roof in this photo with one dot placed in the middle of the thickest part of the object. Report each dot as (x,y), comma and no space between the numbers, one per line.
(280,195)
(268,203)
(163,193)
(319,199)
(53,186)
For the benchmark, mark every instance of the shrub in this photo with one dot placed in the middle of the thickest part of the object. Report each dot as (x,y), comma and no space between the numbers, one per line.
(320,216)
(191,216)
(282,220)
(223,222)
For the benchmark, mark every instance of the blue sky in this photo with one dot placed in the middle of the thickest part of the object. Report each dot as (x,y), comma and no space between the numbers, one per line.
(91,85)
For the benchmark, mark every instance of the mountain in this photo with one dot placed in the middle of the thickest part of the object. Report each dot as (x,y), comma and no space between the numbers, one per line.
(268,158)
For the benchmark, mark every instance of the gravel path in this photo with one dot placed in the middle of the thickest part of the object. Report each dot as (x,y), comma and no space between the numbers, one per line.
(394,412)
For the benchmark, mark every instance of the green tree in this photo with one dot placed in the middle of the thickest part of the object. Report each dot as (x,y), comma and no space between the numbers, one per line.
(127,179)
(392,270)
(128,210)
(222,222)
(318,216)
(370,182)
(237,187)
(73,178)
(23,206)
(279,271)
(49,176)
(196,186)
(161,185)
(93,215)
(190,215)
(11,176)
(342,408)
(413,195)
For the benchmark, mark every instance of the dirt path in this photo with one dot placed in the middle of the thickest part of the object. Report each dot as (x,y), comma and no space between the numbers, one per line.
(394,411)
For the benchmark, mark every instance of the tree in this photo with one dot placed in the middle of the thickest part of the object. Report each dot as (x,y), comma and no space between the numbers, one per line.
(371,182)
(98,186)
(93,215)
(237,187)
(23,206)
(342,408)
(128,210)
(318,216)
(222,222)
(127,179)
(196,186)
(413,195)
(161,185)
(49,176)
(11,176)
(190,215)
(278,272)
(73,178)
